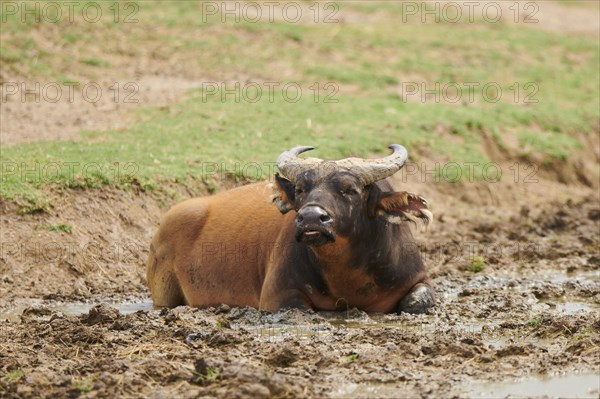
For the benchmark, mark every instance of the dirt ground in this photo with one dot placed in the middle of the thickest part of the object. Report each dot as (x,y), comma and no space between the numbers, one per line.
(76,320)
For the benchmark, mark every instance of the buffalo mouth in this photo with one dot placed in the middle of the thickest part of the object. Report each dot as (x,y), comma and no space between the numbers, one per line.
(314,236)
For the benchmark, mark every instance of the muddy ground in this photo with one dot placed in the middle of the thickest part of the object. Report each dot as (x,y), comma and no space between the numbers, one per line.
(76,320)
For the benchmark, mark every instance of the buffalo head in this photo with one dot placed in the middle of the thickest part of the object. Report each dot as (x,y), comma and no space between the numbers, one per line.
(340,198)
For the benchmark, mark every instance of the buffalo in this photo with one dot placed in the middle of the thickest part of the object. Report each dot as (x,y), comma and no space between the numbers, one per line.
(324,235)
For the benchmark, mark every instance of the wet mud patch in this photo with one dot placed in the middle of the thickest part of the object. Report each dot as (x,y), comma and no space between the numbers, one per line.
(241,352)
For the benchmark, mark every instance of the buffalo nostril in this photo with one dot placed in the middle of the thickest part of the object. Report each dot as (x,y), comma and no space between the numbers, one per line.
(312,216)
(325,219)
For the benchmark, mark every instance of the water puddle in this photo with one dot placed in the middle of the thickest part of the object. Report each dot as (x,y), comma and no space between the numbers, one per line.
(570,306)
(489,333)
(576,307)
(503,341)
(548,275)
(301,332)
(425,327)
(333,323)
(557,277)
(71,308)
(363,390)
(492,335)
(82,308)
(569,386)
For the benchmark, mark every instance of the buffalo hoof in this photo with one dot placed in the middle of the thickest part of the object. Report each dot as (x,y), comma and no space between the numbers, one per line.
(418,300)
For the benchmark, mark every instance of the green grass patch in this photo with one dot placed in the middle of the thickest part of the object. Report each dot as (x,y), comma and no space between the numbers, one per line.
(62,227)
(9,55)
(205,137)
(212,373)
(204,374)
(535,322)
(14,375)
(555,144)
(477,264)
(579,3)
(85,385)
(350,358)
(95,62)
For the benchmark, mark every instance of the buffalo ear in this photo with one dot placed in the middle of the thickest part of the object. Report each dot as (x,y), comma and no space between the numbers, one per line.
(398,207)
(283,194)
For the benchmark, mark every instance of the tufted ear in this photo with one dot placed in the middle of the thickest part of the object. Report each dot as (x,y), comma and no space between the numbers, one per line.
(398,207)
(283,194)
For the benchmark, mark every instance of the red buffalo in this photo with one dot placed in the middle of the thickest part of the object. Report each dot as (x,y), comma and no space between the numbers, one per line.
(335,237)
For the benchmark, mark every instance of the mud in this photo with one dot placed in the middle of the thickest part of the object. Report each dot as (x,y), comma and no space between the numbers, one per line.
(77,322)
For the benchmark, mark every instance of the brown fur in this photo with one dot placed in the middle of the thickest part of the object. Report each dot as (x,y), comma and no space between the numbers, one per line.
(213,250)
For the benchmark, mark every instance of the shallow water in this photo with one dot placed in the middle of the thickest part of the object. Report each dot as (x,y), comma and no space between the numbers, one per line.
(576,307)
(558,277)
(301,332)
(569,386)
(366,390)
(81,308)
(13,313)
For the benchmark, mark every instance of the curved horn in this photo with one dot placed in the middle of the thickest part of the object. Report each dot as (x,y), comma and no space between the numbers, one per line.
(291,165)
(372,170)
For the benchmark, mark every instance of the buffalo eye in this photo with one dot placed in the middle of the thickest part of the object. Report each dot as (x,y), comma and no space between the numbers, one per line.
(350,191)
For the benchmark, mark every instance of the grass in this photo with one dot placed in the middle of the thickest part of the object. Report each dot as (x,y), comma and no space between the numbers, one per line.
(350,358)
(65,228)
(555,144)
(548,82)
(95,62)
(85,385)
(580,3)
(535,322)
(477,265)
(244,140)
(211,374)
(205,374)
(14,375)
(586,332)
